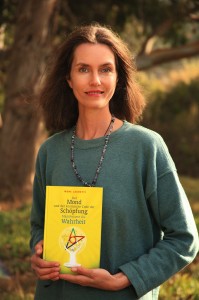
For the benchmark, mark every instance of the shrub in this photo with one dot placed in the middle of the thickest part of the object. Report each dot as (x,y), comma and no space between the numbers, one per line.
(175,115)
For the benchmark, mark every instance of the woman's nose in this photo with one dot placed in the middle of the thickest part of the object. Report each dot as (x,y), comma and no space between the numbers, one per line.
(95,79)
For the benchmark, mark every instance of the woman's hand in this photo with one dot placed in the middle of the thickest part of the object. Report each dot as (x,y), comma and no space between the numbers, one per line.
(44,270)
(97,278)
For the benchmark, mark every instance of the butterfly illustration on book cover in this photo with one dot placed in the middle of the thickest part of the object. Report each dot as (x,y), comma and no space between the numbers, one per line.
(73,240)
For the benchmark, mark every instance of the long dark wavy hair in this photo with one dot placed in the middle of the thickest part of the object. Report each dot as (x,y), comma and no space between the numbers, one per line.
(57,101)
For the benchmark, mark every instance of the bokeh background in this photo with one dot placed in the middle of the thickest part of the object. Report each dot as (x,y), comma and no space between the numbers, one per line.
(163,36)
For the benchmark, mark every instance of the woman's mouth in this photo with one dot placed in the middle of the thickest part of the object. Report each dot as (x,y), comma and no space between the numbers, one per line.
(94,92)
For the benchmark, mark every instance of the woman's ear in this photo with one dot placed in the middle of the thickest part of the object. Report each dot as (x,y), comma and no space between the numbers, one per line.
(69,82)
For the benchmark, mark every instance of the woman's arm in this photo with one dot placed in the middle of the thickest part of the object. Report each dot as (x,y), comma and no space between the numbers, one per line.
(179,245)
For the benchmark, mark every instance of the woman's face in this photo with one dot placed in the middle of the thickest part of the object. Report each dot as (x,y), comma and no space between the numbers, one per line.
(93,76)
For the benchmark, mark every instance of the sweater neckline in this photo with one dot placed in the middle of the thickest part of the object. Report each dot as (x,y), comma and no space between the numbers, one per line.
(85,144)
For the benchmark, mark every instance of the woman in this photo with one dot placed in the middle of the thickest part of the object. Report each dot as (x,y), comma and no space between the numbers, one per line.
(148,230)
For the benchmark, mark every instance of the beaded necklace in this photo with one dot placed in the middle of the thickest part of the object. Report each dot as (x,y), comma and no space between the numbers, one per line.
(107,137)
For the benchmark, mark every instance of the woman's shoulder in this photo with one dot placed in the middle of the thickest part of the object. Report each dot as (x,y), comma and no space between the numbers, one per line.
(149,144)
(54,141)
(145,140)
(142,134)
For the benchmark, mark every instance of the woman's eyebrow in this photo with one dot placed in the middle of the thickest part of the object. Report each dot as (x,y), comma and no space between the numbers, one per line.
(81,65)
(87,65)
(107,64)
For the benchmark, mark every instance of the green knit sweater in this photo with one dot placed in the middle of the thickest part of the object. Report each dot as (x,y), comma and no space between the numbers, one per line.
(148,230)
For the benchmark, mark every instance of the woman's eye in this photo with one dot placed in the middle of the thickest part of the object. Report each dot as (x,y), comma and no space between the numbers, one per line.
(83,70)
(106,70)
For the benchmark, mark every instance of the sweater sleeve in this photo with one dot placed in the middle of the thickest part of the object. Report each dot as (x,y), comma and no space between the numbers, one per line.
(179,244)
(38,204)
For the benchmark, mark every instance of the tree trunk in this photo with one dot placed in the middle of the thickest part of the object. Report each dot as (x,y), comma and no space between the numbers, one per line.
(21,126)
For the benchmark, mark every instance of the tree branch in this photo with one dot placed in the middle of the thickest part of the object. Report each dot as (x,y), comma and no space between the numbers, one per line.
(158,31)
(157,57)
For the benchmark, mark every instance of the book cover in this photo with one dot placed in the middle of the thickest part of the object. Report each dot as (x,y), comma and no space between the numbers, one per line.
(72,231)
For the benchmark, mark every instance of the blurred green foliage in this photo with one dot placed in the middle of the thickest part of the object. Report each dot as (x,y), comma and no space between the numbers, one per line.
(180,287)
(181,99)
(142,19)
(191,187)
(175,115)
(15,243)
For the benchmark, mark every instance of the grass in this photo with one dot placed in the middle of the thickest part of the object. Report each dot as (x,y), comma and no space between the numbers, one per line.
(15,253)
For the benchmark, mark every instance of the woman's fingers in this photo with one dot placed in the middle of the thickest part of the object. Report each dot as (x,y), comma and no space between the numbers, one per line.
(44,270)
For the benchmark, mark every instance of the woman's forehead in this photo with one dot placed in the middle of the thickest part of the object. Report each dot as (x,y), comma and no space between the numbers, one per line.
(88,53)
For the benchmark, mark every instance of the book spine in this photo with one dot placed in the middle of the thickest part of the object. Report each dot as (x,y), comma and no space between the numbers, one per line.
(45,222)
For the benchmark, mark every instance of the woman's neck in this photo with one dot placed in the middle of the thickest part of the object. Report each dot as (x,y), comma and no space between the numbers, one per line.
(92,125)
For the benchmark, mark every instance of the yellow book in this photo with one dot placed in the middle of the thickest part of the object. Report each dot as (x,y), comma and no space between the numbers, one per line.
(72,231)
